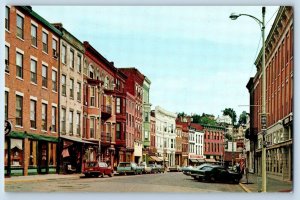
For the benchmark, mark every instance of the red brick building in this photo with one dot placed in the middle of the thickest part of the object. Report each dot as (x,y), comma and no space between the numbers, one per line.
(99,111)
(213,142)
(130,127)
(31,92)
(134,86)
(279,97)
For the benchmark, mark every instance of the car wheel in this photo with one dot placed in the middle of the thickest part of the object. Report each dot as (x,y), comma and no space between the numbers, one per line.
(111,174)
(236,180)
(102,175)
(212,179)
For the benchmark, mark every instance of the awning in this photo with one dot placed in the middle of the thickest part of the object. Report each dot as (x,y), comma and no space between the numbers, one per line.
(154,158)
(76,139)
(200,160)
(210,160)
(22,135)
(194,160)
(162,159)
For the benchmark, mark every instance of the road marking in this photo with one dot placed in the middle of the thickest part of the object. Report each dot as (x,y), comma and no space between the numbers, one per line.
(244,188)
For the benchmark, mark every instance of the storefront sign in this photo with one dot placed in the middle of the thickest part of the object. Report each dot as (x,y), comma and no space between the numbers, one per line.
(195,156)
(7,127)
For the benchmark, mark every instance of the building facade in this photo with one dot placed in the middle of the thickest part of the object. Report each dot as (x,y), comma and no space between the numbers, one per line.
(31,92)
(70,101)
(279,98)
(196,144)
(134,86)
(146,117)
(165,135)
(178,146)
(213,142)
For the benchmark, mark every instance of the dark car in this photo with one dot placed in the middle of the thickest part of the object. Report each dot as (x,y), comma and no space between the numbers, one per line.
(216,173)
(96,169)
(154,168)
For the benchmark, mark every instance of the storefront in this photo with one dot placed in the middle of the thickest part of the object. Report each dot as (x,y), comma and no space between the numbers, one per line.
(29,154)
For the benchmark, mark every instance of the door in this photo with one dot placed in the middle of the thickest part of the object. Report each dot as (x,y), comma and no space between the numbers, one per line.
(43,157)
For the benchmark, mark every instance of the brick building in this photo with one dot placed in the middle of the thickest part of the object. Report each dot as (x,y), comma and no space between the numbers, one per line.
(213,142)
(99,118)
(31,92)
(279,96)
(134,86)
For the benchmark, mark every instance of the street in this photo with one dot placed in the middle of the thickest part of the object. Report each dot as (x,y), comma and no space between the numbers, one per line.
(165,182)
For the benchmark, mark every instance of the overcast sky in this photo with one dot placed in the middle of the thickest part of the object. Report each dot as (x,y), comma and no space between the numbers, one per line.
(197,59)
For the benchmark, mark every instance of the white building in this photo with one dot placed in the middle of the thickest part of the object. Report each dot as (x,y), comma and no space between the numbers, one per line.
(165,135)
(196,144)
(224,119)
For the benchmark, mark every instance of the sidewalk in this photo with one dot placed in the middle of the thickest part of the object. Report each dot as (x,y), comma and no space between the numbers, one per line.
(39,177)
(273,184)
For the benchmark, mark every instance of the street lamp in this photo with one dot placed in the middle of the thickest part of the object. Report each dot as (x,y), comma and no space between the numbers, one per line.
(234,16)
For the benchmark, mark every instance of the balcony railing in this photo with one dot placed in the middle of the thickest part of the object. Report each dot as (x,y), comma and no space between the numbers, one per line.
(106,109)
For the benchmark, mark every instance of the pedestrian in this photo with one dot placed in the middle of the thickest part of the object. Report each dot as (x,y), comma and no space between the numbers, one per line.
(238,169)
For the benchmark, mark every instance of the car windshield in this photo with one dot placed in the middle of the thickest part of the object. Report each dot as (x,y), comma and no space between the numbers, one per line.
(91,164)
(207,168)
(124,165)
(102,164)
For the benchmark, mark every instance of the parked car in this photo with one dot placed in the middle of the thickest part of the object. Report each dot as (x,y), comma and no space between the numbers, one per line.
(187,170)
(174,168)
(129,168)
(160,168)
(216,173)
(95,168)
(146,168)
(154,168)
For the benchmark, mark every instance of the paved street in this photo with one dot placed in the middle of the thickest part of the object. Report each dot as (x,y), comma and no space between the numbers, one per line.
(168,182)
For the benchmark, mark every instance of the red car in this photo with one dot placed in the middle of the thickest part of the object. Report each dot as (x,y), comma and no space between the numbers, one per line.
(94,168)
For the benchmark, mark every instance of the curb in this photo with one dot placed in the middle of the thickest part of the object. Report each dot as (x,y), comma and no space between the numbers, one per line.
(11,181)
(245,188)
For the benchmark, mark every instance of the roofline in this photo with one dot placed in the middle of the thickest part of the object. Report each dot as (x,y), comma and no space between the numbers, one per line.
(33,14)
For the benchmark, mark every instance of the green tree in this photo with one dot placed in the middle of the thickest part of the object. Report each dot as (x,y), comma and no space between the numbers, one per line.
(204,119)
(243,118)
(231,113)
(181,114)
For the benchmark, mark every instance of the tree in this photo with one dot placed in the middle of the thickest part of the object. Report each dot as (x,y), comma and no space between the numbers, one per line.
(231,113)
(181,114)
(243,118)
(204,119)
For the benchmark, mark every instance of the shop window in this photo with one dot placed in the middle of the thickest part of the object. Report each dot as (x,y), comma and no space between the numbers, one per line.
(32,153)
(16,149)
(5,153)
(52,154)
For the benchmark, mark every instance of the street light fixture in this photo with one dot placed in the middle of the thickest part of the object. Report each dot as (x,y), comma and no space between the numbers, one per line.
(234,16)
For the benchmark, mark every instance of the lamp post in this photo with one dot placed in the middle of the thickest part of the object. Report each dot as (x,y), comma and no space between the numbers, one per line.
(234,16)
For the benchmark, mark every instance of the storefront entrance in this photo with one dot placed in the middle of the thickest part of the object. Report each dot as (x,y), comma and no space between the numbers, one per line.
(43,157)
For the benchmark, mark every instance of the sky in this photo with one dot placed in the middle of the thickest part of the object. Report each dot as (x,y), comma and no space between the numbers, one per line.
(197,58)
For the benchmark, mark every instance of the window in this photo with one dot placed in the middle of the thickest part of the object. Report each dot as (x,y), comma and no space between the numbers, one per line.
(54,80)
(63,120)
(71,88)
(44,76)
(6,105)
(33,64)
(19,65)
(6,59)
(84,127)
(17,153)
(53,125)
(7,18)
(72,58)
(32,114)
(19,110)
(146,135)
(78,123)
(20,27)
(92,130)
(92,96)
(33,35)
(64,54)
(45,42)
(44,117)
(79,63)
(78,91)
(52,154)
(63,85)
(54,48)
(32,158)
(118,131)
(118,105)
(71,122)
(146,116)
